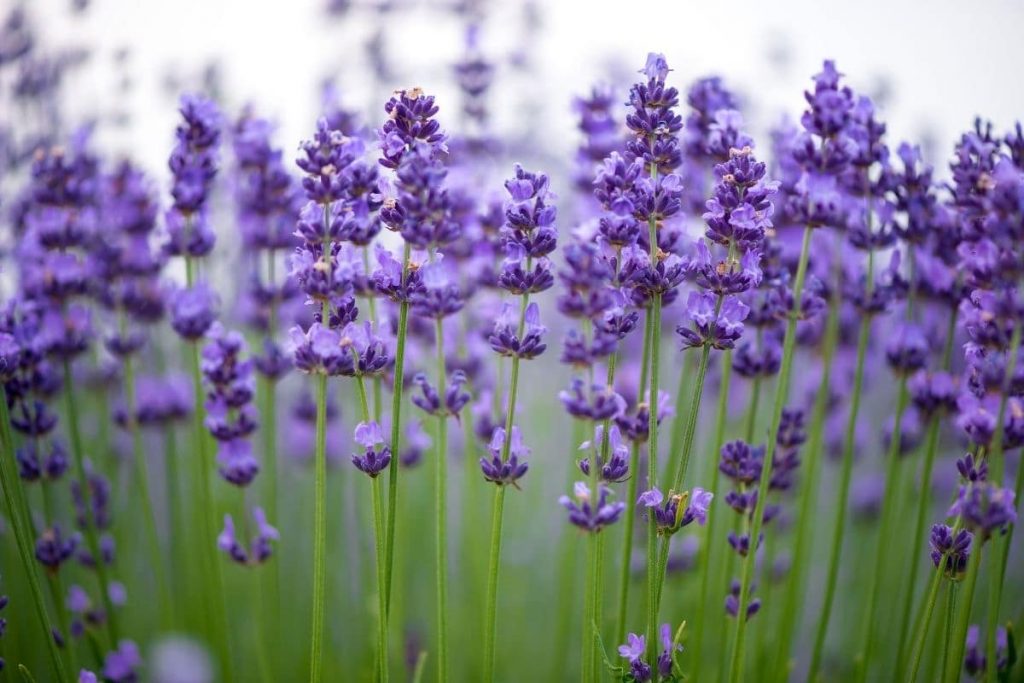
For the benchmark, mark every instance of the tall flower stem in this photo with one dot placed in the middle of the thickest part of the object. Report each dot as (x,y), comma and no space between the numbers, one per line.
(396,427)
(491,605)
(1002,546)
(213,578)
(796,587)
(781,394)
(955,646)
(892,487)
(631,495)
(926,620)
(142,480)
(91,538)
(378,544)
(921,518)
(441,509)
(846,472)
(319,532)
(653,585)
(14,499)
(272,577)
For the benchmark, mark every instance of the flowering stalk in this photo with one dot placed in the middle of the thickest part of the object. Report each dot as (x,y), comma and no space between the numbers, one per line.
(808,492)
(15,501)
(628,523)
(957,638)
(84,486)
(142,477)
(930,450)
(441,507)
(781,392)
(926,618)
(319,531)
(491,606)
(397,390)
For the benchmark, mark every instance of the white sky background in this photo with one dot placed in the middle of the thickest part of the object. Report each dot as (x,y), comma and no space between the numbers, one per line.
(937,63)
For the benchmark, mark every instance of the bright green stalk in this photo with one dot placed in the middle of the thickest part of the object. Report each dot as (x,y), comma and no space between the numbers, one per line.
(628,522)
(1002,547)
(83,482)
(846,471)
(491,605)
(917,540)
(156,559)
(14,499)
(441,509)
(926,620)
(653,585)
(809,487)
(396,427)
(948,630)
(781,394)
(955,646)
(892,486)
(319,532)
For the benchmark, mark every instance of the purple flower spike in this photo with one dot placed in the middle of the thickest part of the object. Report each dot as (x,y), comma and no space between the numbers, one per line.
(121,665)
(505,340)
(955,547)
(376,456)
(588,514)
(719,329)
(510,471)
(193,311)
(616,469)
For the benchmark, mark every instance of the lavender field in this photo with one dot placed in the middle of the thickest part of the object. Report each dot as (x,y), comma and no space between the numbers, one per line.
(483,375)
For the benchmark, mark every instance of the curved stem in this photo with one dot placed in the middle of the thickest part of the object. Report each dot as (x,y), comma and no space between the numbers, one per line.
(921,518)
(846,471)
(14,500)
(319,532)
(90,518)
(781,394)
(142,480)
(631,495)
(491,605)
(396,427)
(892,486)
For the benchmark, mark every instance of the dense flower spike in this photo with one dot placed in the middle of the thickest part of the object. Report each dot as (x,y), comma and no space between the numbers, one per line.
(590,513)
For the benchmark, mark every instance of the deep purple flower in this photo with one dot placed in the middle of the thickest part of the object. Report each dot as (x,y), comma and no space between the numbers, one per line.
(410,121)
(602,404)
(193,311)
(614,468)
(652,119)
(505,339)
(984,508)
(954,546)
(53,548)
(732,602)
(589,514)
(261,548)
(678,510)
(975,661)
(510,470)
(376,456)
(236,462)
(429,401)
(121,665)
(717,326)
(907,350)
(932,391)
(633,652)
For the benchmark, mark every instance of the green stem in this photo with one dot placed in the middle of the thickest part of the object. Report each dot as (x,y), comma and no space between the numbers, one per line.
(796,588)
(948,634)
(214,582)
(319,532)
(382,616)
(396,427)
(491,608)
(629,521)
(90,519)
(142,480)
(921,518)
(926,620)
(653,584)
(272,576)
(846,470)
(14,499)
(892,486)
(441,508)
(781,394)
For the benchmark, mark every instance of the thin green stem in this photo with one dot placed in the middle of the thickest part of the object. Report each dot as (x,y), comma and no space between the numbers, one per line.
(921,518)
(926,620)
(846,471)
(142,481)
(796,589)
(441,509)
(319,532)
(889,499)
(491,605)
(631,495)
(781,394)
(396,426)
(14,499)
(948,633)
(90,529)
(653,584)
(382,611)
